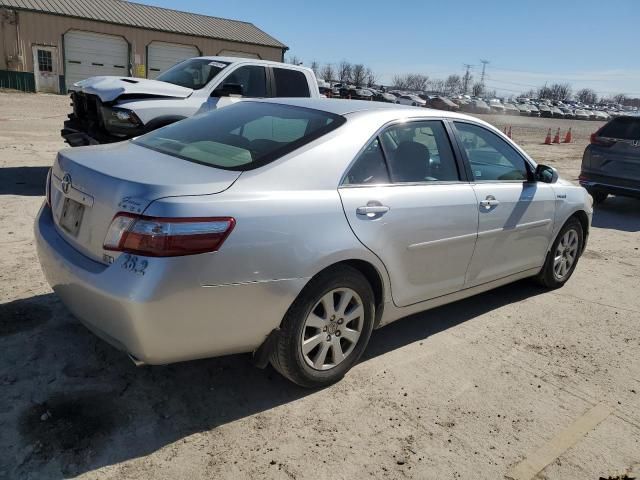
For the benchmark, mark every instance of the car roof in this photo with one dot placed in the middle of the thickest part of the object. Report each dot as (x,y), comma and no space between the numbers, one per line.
(252,60)
(364,107)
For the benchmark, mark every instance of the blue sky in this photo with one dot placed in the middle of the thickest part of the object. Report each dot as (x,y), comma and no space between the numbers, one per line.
(585,42)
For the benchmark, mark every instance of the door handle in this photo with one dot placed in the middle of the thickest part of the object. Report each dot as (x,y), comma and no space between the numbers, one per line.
(371,210)
(489,202)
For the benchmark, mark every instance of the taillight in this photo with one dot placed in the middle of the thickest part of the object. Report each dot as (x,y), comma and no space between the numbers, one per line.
(47,188)
(602,141)
(166,237)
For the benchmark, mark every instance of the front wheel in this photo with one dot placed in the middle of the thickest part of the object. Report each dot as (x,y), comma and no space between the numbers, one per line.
(563,257)
(326,329)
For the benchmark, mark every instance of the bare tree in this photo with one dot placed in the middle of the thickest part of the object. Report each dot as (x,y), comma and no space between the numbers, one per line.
(586,95)
(294,60)
(400,81)
(417,81)
(478,89)
(437,85)
(453,84)
(315,66)
(328,73)
(344,71)
(619,98)
(560,91)
(371,78)
(358,74)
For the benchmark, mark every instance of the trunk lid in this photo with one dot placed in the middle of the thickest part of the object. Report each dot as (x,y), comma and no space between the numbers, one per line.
(615,150)
(103,180)
(109,89)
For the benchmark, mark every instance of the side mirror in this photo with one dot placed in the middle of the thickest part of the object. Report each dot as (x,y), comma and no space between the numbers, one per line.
(228,89)
(546,174)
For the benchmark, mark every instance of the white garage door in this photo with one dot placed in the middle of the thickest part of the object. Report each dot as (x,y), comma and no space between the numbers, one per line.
(161,56)
(88,54)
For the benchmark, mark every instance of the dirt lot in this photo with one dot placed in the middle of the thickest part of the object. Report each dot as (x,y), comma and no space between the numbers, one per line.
(498,385)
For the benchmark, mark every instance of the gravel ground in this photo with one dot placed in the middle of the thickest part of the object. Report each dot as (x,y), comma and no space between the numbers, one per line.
(495,386)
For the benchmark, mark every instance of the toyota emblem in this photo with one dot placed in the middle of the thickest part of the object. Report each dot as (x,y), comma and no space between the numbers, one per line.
(66,183)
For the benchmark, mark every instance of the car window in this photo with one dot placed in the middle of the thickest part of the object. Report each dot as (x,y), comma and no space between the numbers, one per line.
(290,83)
(253,80)
(490,157)
(622,128)
(369,168)
(419,152)
(242,136)
(194,73)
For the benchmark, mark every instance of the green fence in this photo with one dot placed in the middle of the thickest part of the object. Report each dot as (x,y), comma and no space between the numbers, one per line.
(24,81)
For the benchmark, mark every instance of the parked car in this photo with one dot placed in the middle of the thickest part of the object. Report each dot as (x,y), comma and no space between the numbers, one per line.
(581,114)
(545,110)
(362,94)
(524,108)
(385,97)
(111,109)
(534,111)
(496,106)
(600,115)
(511,109)
(209,236)
(413,100)
(568,113)
(611,162)
(442,103)
(556,112)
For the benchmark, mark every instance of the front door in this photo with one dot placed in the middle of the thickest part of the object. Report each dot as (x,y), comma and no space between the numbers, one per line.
(45,69)
(515,214)
(406,202)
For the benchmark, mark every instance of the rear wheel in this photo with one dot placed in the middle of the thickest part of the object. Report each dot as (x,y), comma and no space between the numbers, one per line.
(563,257)
(598,196)
(327,328)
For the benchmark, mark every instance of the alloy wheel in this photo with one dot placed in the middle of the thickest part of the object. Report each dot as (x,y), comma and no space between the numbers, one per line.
(565,254)
(332,329)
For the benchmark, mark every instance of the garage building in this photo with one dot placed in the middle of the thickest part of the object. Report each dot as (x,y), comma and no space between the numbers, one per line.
(47,45)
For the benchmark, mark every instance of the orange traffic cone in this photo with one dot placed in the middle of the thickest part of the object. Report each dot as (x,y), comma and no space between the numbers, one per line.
(556,139)
(567,138)
(509,133)
(547,141)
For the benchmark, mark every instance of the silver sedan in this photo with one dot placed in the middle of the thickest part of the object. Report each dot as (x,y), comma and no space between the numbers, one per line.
(291,228)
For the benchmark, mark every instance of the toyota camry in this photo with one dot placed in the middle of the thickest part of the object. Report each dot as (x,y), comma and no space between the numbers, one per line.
(291,228)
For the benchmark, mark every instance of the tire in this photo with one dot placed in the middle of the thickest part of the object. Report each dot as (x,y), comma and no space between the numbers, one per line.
(304,321)
(549,276)
(598,196)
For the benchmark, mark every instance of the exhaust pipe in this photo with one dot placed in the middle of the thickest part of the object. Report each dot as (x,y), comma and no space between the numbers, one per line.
(136,362)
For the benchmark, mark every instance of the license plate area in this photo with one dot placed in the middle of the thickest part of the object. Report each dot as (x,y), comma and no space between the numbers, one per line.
(71,216)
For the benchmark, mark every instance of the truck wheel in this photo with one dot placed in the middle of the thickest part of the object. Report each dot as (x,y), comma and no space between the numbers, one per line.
(598,196)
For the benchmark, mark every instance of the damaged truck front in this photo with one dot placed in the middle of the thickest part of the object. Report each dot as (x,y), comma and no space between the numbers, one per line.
(112,109)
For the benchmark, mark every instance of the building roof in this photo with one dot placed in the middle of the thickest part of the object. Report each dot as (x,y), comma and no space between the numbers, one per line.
(155,18)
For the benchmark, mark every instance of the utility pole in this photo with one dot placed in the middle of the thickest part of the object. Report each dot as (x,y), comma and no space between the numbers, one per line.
(466,78)
(484,67)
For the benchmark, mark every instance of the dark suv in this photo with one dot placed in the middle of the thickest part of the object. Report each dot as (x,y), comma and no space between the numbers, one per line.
(611,163)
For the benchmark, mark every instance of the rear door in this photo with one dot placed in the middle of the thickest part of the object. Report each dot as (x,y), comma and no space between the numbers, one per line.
(615,150)
(515,215)
(408,201)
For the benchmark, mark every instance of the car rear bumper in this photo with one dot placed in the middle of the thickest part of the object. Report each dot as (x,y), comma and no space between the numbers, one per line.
(164,315)
(608,184)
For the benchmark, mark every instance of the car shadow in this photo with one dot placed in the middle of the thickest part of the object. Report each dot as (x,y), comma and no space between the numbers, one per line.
(28,181)
(618,213)
(81,404)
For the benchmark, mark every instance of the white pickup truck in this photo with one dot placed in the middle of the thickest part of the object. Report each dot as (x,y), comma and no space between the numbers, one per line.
(111,109)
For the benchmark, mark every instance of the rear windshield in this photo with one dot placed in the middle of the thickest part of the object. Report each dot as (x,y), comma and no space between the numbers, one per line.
(194,73)
(242,136)
(624,128)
